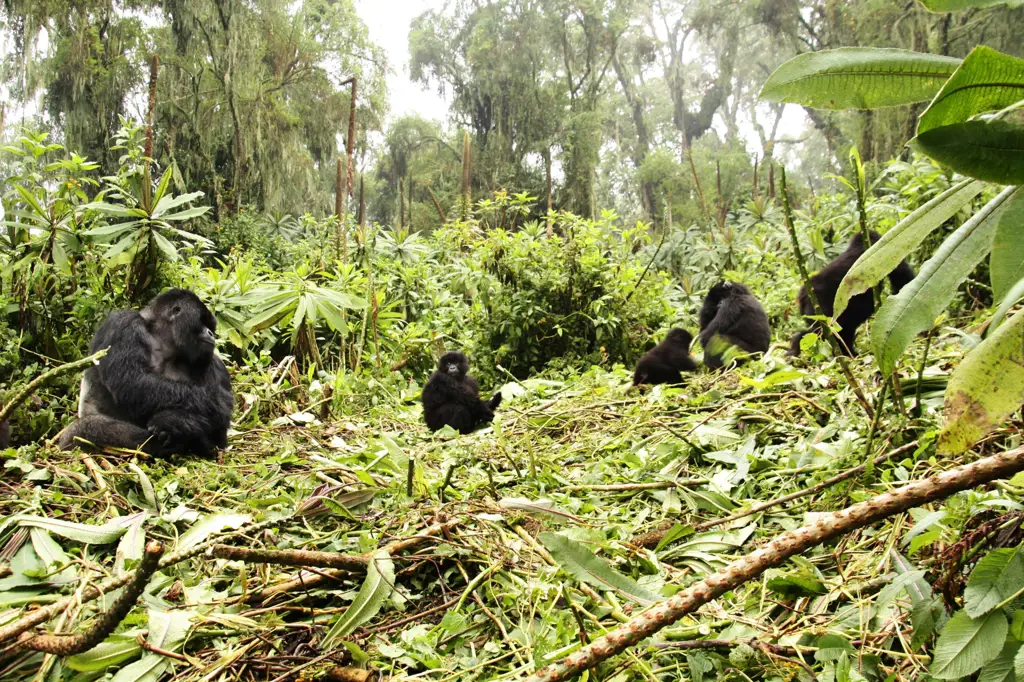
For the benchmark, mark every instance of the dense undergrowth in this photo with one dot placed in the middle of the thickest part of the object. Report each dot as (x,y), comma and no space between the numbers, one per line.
(509,547)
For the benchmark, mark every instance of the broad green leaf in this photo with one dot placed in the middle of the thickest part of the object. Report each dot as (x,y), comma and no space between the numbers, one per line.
(115,210)
(859,78)
(957,5)
(166,247)
(585,566)
(79,532)
(915,308)
(1006,263)
(114,650)
(967,643)
(1018,664)
(149,668)
(883,256)
(48,550)
(1000,668)
(974,406)
(131,240)
(187,214)
(168,629)
(133,543)
(108,230)
(207,526)
(161,188)
(986,150)
(1014,296)
(167,203)
(995,579)
(379,583)
(986,81)
(31,200)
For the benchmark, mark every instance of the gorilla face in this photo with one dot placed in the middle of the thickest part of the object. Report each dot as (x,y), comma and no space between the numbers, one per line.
(454,364)
(183,325)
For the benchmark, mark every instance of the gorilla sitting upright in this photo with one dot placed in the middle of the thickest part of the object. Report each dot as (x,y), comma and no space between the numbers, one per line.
(160,387)
(665,363)
(452,397)
(731,316)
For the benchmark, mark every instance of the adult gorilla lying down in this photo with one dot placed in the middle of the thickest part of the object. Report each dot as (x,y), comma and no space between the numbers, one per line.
(160,388)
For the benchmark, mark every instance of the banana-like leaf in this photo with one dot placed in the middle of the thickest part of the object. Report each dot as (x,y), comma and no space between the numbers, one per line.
(915,308)
(585,566)
(985,389)
(885,254)
(207,526)
(859,78)
(986,150)
(79,532)
(1007,263)
(379,583)
(986,81)
(112,651)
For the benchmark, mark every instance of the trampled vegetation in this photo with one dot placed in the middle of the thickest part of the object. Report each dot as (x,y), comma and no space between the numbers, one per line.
(822,516)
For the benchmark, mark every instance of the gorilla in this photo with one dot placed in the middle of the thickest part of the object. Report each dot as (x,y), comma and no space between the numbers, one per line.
(861,307)
(452,397)
(664,363)
(731,316)
(160,387)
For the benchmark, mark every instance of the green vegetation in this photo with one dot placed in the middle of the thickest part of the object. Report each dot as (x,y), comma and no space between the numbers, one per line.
(604,164)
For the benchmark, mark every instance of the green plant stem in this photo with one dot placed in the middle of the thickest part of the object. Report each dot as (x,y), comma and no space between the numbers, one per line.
(920,374)
(31,387)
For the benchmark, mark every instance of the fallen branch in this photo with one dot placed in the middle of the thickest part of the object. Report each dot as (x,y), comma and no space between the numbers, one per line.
(31,387)
(348,563)
(45,613)
(307,581)
(69,645)
(825,528)
(654,537)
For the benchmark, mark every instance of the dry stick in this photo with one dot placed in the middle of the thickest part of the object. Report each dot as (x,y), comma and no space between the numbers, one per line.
(154,69)
(652,539)
(348,563)
(68,645)
(34,385)
(802,265)
(624,487)
(307,581)
(45,613)
(825,528)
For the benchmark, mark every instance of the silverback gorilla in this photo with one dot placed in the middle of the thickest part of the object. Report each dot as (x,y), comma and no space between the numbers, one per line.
(665,363)
(452,397)
(861,307)
(731,316)
(160,387)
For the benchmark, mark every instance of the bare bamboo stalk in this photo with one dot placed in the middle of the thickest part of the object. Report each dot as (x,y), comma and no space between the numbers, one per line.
(348,563)
(825,528)
(31,387)
(308,581)
(45,613)
(68,645)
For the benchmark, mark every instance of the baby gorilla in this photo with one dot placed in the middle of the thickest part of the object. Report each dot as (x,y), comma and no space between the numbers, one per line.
(452,397)
(731,316)
(665,363)
(861,307)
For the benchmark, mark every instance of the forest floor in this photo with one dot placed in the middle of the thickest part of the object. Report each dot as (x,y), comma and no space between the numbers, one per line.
(583,502)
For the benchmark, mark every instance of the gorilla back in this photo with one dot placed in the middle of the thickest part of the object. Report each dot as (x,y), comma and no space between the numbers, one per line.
(665,363)
(160,388)
(731,316)
(861,307)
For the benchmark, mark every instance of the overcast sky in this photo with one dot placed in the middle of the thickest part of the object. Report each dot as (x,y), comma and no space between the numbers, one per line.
(388,21)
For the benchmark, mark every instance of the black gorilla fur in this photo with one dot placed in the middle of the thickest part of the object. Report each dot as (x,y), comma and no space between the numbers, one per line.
(732,314)
(452,397)
(664,363)
(160,387)
(861,307)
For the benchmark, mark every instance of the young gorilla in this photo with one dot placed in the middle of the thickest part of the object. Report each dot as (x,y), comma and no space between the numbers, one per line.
(665,363)
(452,397)
(160,387)
(732,316)
(861,307)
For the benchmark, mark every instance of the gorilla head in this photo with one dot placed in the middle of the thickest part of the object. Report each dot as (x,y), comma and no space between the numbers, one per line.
(454,364)
(183,327)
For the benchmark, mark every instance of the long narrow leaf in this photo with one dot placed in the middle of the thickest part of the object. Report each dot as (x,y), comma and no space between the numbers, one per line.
(859,78)
(585,566)
(884,255)
(986,150)
(1013,296)
(915,308)
(973,408)
(1007,264)
(377,587)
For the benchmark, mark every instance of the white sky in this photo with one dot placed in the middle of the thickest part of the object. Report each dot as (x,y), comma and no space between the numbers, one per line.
(388,22)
